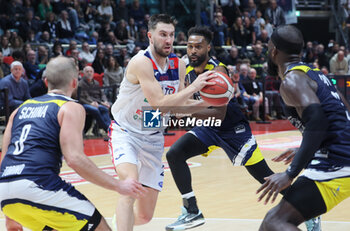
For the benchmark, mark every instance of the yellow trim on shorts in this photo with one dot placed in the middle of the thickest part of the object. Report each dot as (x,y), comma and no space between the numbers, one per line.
(255,158)
(334,191)
(36,219)
(56,101)
(210,149)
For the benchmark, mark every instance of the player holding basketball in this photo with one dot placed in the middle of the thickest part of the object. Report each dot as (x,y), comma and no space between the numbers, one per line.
(234,135)
(325,148)
(154,77)
(38,133)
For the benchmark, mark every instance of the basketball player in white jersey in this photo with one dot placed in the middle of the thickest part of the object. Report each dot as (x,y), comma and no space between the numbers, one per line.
(154,77)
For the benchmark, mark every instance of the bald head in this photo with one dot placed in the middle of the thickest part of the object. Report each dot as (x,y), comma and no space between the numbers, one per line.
(288,38)
(60,72)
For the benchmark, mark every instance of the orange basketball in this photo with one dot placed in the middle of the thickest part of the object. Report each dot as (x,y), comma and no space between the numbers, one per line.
(220,93)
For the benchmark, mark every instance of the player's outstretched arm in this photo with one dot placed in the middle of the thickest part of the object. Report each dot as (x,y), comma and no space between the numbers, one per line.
(71,118)
(140,70)
(298,91)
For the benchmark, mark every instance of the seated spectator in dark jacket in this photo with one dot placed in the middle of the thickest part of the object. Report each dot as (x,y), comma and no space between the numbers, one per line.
(17,86)
(232,57)
(254,92)
(50,26)
(29,23)
(4,67)
(31,67)
(137,12)
(143,39)
(93,99)
(219,29)
(99,61)
(65,32)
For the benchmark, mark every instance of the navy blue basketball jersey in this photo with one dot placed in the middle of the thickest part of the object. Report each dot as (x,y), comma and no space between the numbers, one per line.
(336,145)
(233,112)
(34,147)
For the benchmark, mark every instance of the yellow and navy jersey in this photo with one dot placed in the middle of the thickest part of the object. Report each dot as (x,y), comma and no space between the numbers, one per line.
(34,147)
(335,149)
(233,113)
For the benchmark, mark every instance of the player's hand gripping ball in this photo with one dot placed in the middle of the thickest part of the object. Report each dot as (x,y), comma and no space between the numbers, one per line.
(220,93)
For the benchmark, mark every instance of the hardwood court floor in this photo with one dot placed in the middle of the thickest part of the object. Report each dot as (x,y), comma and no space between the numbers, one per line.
(225,194)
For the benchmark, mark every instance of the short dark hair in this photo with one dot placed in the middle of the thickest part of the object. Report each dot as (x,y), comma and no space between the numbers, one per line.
(288,39)
(201,31)
(157,18)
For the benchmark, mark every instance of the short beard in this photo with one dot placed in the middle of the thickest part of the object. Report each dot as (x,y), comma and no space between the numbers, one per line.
(160,52)
(272,69)
(198,62)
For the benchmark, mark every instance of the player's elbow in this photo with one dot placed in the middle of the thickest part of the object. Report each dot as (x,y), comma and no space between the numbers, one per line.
(72,161)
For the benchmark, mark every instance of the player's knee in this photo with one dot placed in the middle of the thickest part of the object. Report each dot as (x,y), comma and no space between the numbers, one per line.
(172,155)
(144,218)
(270,220)
(12,225)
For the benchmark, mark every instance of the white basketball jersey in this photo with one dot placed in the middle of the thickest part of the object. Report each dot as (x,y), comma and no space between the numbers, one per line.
(127,110)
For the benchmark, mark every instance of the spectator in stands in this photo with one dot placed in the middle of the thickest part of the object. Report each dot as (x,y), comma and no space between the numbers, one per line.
(137,12)
(50,25)
(258,59)
(143,39)
(65,33)
(18,56)
(31,67)
(339,64)
(57,49)
(5,46)
(44,8)
(272,87)
(113,74)
(238,33)
(123,56)
(259,23)
(105,10)
(110,51)
(181,38)
(250,36)
(4,67)
(254,94)
(324,70)
(90,14)
(26,47)
(243,72)
(133,30)
(16,43)
(72,46)
(17,86)
(104,31)
(121,33)
(98,63)
(230,10)
(93,38)
(219,29)
(93,99)
(275,14)
(42,57)
(251,9)
(45,38)
(232,57)
(29,24)
(86,54)
(237,92)
(122,11)
(308,56)
(72,16)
